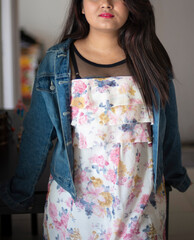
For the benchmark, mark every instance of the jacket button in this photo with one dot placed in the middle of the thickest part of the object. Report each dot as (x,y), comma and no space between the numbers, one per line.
(52,88)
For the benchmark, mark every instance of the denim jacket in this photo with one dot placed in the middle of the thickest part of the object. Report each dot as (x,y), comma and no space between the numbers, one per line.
(49,117)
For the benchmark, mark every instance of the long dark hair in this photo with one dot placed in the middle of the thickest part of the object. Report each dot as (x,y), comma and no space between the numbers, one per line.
(147,59)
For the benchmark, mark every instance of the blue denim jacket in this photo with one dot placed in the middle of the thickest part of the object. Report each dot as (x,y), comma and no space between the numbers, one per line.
(49,117)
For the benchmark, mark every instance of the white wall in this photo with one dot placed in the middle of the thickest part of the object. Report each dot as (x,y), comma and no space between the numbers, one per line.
(10,81)
(174,22)
(43,18)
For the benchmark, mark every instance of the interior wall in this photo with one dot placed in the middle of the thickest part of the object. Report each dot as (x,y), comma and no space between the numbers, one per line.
(44,19)
(174,24)
(10,80)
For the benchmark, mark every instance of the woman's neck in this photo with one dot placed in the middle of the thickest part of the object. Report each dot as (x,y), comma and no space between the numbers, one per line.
(102,41)
(100,48)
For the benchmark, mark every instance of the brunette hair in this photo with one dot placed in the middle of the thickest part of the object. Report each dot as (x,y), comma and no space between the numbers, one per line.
(147,59)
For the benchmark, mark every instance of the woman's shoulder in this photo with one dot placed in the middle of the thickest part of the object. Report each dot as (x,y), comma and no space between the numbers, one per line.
(60,47)
(47,64)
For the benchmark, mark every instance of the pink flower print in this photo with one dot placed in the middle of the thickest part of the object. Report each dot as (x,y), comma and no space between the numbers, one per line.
(61,225)
(79,204)
(94,109)
(99,211)
(130,109)
(130,183)
(64,220)
(122,180)
(135,101)
(80,177)
(61,190)
(123,88)
(134,230)
(114,119)
(111,176)
(75,111)
(130,199)
(99,160)
(116,202)
(143,202)
(127,236)
(94,236)
(82,119)
(108,235)
(82,141)
(102,89)
(53,211)
(93,191)
(121,228)
(69,202)
(115,156)
(144,199)
(142,134)
(79,86)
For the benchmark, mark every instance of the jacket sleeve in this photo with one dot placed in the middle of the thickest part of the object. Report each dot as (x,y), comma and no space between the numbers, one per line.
(175,174)
(36,142)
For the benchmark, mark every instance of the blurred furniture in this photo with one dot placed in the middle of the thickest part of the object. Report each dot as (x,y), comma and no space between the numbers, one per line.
(30,57)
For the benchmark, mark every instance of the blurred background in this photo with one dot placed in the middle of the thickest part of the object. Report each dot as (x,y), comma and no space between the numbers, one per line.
(28,28)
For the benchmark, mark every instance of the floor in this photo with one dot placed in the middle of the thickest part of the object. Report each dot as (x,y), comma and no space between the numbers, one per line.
(181,217)
(181,213)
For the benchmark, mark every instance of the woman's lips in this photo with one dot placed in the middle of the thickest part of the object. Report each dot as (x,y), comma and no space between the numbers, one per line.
(106,15)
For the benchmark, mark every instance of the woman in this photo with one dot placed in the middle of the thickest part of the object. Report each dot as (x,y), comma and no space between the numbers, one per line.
(106,93)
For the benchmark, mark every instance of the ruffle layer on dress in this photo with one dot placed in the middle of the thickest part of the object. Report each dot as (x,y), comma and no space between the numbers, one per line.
(109,110)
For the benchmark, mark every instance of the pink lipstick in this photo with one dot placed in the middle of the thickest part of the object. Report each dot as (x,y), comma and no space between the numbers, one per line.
(106,15)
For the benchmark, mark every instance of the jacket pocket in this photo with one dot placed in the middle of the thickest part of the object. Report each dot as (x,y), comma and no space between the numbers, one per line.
(46,84)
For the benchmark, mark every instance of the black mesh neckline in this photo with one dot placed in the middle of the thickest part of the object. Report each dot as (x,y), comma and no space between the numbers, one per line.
(97,64)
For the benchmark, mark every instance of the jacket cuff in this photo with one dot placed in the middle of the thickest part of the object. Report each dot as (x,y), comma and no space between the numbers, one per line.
(185,184)
(7,199)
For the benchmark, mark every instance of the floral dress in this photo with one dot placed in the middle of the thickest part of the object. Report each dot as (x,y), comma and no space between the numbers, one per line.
(113,170)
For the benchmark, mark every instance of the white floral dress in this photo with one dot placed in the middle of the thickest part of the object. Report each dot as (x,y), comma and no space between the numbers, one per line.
(113,168)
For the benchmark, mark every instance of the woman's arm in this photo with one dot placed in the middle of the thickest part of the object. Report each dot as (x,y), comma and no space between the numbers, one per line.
(36,142)
(175,174)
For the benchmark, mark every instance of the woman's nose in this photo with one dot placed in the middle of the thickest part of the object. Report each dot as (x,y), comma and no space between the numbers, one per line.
(106,4)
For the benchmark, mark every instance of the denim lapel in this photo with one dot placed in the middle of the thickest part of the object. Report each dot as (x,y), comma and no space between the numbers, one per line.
(155,128)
